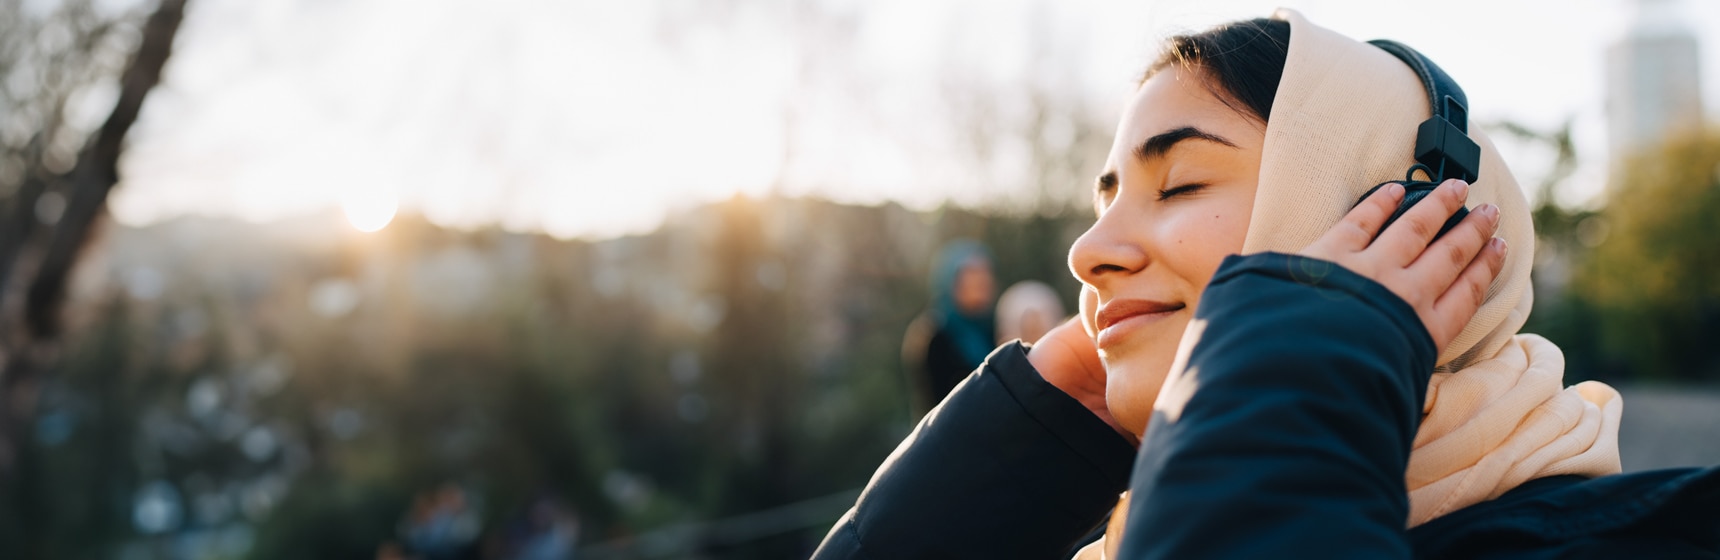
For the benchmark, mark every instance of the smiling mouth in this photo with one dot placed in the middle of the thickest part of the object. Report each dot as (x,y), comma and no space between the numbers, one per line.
(1118,317)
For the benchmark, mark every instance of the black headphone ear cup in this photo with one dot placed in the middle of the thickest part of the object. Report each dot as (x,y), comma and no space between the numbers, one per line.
(1414,192)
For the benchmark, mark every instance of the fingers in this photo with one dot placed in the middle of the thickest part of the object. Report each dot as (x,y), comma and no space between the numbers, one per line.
(1450,255)
(1458,304)
(1447,280)
(1408,237)
(1357,229)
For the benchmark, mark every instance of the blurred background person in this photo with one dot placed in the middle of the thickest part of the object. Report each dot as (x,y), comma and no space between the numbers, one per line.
(548,530)
(954,336)
(442,525)
(1026,310)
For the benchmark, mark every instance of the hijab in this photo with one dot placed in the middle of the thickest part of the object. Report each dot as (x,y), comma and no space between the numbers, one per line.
(971,335)
(1497,413)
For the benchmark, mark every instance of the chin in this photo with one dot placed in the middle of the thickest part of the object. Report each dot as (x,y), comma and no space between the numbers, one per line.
(1131,387)
(1135,372)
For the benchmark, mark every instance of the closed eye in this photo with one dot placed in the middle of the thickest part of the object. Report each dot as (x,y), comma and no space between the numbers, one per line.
(1166,194)
(1105,183)
(1104,188)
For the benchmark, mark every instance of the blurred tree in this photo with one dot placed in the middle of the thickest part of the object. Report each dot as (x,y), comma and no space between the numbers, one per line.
(1654,276)
(60,503)
(1552,221)
(59,62)
(73,77)
(1036,138)
(756,382)
(1564,239)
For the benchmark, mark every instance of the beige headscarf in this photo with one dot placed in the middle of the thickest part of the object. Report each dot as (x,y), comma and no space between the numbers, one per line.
(1496,414)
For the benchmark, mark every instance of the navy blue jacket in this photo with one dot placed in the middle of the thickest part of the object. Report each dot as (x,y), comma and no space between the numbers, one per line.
(1310,383)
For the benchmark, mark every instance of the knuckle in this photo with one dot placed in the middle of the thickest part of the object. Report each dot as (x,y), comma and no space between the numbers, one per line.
(1419,227)
(1455,252)
(1491,268)
(1477,291)
(1383,203)
(1428,295)
(1355,232)
(1450,199)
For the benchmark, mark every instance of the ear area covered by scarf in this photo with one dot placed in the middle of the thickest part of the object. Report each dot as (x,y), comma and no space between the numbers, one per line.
(1344,119)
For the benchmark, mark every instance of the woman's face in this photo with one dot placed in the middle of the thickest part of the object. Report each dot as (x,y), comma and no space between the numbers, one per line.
(1173,201)
(975,287)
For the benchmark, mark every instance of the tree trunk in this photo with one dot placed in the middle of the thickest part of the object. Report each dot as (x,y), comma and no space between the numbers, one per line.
(32,347)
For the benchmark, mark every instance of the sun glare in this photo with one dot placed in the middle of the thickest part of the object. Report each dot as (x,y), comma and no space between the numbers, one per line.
(370,213)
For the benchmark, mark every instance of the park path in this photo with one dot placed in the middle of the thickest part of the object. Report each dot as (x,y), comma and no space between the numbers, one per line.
(1670,427)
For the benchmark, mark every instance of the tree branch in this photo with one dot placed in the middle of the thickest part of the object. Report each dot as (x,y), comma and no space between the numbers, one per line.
(97,171)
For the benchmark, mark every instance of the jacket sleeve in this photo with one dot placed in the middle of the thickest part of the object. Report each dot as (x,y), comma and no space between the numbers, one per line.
(1007,466)
(1304,395)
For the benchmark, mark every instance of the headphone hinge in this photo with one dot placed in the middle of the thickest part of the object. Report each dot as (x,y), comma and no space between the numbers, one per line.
(1445,148)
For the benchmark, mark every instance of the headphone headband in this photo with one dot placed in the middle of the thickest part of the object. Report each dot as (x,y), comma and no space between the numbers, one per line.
(1442,142)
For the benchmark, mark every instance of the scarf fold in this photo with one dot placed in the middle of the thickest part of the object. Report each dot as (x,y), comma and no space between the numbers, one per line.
(1500,422)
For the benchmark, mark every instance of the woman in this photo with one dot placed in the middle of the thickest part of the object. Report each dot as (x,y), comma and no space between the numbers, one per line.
(1284,403)
(1026,311)
(952,337)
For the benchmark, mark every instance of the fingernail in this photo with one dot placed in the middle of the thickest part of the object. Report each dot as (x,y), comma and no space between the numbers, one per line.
(1394,190)
(1499,244)
(1461,187)
(1491,211)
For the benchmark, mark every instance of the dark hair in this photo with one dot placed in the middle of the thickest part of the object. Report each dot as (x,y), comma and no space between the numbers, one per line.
(1242,60)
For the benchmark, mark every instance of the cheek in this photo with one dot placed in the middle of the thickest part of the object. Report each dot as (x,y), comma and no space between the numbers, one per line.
(1189,241)
(1195,241)
(1200,239)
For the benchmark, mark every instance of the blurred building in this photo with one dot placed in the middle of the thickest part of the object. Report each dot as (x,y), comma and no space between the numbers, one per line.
(1653,80)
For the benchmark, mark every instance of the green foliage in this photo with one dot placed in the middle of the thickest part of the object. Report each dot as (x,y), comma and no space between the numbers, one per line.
(1654,281)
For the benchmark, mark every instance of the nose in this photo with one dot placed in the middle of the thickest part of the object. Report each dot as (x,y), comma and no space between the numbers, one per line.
(1106,252)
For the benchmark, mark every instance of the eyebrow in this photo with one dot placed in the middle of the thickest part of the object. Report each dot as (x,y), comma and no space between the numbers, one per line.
(1157,146)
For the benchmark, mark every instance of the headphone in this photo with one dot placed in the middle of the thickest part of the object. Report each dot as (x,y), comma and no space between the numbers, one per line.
(1443,149)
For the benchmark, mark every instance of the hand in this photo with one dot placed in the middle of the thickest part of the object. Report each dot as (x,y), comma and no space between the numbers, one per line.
(1067,359)
(1445,282)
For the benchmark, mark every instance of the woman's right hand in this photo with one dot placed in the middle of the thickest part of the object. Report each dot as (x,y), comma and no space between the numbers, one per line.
(1445,280)
(1068,360)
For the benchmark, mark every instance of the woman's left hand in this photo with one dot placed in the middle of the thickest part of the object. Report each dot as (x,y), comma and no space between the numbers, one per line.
(1445,281)
(1067,359)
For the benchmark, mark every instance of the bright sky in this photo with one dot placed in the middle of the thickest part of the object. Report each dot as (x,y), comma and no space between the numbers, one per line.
(596,118)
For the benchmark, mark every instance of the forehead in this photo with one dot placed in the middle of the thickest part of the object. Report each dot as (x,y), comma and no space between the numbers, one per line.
(1176,97)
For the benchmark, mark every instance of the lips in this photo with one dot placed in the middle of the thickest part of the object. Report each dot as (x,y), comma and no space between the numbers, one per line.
(1118,313)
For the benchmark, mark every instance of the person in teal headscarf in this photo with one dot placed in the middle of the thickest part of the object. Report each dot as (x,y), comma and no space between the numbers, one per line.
(955,335)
